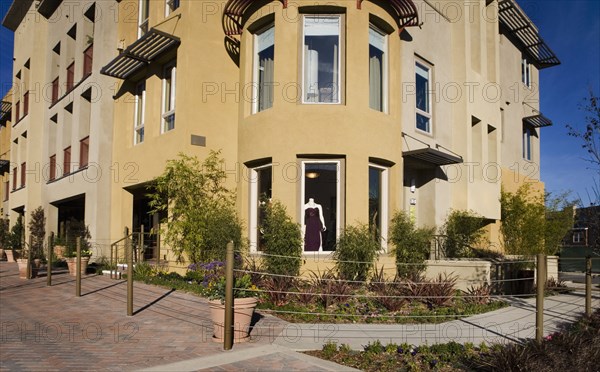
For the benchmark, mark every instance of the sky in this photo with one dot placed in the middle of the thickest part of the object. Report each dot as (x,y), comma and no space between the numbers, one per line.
(572,30)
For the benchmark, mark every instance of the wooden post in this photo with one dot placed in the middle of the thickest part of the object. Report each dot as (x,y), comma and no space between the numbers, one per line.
(29,275)
(228,326)
(539,303)
(129,253)
(141,251)
(78,269)
(588,286)
(49,260)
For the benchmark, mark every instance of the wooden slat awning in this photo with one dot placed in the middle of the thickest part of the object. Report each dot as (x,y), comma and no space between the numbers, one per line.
(525,34)
(538,121)
(5,112)
(142,52)
(431,157)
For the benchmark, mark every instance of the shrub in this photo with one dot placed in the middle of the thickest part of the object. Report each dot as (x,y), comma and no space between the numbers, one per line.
(331,288)
(4,233)
(479,295)
(388,294)
(355,253)
(37,229)
(436,292)
(201,211)
(463,230)
(15,238)
(412,245)
(282,241)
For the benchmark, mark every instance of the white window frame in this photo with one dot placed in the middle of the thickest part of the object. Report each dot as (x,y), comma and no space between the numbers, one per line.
(385,197)
(253,218)
(340,56)
(577,234)
(143,23)
(384,67)
(255,67)
(525,72)
(168,111)
(418,111)
(527,143)
(139,123)
(338,164)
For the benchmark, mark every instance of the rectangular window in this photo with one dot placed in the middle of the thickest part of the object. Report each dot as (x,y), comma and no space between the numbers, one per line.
(423,97)
(378,203)
(577,237)
(6,190)
(525,71)
(84,150)
(171,6)
(140,109)
(144,11)
(70,76)
(23,174)
(67,161)
(55,90)
(377,69)
(52,170)
(321,192)
(168,111)
(264,62)
(17,110)
(88,58)
(321,59)
(26,103)
(14,180)
(261,183)
(527,142)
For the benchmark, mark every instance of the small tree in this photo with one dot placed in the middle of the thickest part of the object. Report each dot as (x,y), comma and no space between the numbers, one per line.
(37,230)
(282,240)
(4,233)
(529,226)
(201,210)
(15,240)
(463,230)
(355,252)
(411,245)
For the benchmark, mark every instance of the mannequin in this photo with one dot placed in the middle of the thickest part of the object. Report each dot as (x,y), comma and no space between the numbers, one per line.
(313,225)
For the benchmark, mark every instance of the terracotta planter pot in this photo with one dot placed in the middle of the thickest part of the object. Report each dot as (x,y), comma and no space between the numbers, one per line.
(59,251)
(72,264)
(242,317)
(22,268)
(1,254)
(11,256)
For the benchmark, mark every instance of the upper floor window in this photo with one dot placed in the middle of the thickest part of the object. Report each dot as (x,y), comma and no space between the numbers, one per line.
(264,63)
(23,174)
(88,58)
(525,71)
(17,110)
(168,110)
(52,170)
(140,108)
(55,90)
(26,103)
(170,6)
(423,97)
(84,151)
(377,69)
(67,161)
(14,179)
(70,76)
(528,132)
(321,59)
(578,237)
(144,12)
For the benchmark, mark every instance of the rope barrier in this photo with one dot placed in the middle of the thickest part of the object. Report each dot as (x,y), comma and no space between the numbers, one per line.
(363,315)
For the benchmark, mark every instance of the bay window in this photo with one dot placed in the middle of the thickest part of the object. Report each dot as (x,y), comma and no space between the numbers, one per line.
(321,59)
(377,69)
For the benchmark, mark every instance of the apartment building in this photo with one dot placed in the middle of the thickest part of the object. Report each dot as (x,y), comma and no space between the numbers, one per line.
(5,126)
(61,140)
(365,107)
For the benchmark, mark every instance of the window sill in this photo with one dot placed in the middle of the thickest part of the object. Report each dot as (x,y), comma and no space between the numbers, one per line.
(19,189)
(20,120)
(66,175)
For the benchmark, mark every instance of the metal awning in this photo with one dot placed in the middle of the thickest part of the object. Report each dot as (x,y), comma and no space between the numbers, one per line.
(141,53)
(432,156)
(537,121)
(233,15)
(5,112)
(47,7)
(4,166)
(406,12)
(524,32)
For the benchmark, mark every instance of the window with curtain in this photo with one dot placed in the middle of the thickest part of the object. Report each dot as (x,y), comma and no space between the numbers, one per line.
(423,98)
(139,114)
(264,68)
(377,69)
(527,148)
(321,59)
(144,11)
(168,110)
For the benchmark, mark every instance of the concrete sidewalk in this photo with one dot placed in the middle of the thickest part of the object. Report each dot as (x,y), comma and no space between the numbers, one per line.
(48,328)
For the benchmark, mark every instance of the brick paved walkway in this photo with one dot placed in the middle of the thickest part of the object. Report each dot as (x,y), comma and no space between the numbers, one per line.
(48,328)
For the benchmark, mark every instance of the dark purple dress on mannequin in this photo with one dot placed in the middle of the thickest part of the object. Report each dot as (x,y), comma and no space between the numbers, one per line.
(312,235)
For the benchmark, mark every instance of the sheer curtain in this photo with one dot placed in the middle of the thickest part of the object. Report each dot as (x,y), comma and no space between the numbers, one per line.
(265,68)
(377,54)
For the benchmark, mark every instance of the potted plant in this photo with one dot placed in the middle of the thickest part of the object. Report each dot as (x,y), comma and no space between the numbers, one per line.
(60,247)
(78,229)
(15,240)
(244,294)
(71,258)
(4,233)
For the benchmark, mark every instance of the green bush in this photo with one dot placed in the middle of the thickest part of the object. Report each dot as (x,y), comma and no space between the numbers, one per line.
(282,239)
(411,245)
(4,233)
(15,238)
(463,230)
(355,253)
(37,230)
